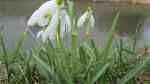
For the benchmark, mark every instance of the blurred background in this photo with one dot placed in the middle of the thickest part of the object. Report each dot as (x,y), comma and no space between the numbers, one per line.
(134,18)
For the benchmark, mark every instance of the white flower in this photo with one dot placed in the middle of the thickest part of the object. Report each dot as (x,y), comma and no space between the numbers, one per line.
(39,34)
(48,16)
(82,19)
(42,22)
(92,21)
(65,23)
(87,16)
(38,17)
(50,31)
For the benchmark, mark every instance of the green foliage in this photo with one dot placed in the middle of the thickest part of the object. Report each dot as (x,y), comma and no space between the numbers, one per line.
(86,64)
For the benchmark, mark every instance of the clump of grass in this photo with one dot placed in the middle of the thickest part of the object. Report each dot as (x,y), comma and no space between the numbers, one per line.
(86,64)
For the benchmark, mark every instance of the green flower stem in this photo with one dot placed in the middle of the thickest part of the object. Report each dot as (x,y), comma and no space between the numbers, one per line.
(88,36)
(72,14)
(58,40)
(74,33)
(88,32)
(58,36)
(74,39)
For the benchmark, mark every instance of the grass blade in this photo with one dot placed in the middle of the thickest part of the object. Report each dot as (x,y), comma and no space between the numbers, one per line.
(5,55)
(108,46)
(100,73)
(134,71)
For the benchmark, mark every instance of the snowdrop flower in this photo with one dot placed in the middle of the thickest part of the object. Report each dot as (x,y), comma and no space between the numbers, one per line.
(88,18)
(40,16)
(65,23)
(50,31)
(49,16)
(39,34)
(82,20)
(42,22)
(92,21)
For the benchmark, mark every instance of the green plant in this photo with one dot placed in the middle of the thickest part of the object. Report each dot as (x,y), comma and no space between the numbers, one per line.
(86,64)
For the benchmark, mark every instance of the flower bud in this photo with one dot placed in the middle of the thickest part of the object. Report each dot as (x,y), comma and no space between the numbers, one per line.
(59,2)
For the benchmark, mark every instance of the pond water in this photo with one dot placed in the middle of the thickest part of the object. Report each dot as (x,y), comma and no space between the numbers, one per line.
(14,16)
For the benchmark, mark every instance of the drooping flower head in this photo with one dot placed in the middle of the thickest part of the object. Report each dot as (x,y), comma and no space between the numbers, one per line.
(48,17)
(88,18)
(42,15)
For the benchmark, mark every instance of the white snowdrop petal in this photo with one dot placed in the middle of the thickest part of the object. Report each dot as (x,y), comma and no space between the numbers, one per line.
(50,32)
(62,29)
(65,23)
(34,18)
(42,22)
(39,34)
(68,21)
(92,21)
(82,20)
(49,6)
(44,37)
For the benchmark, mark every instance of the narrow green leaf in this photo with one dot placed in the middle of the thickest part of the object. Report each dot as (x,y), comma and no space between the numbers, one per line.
(5,55)
(106,52)
(100,73)
(134,71)
(43,64)
(18,46)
